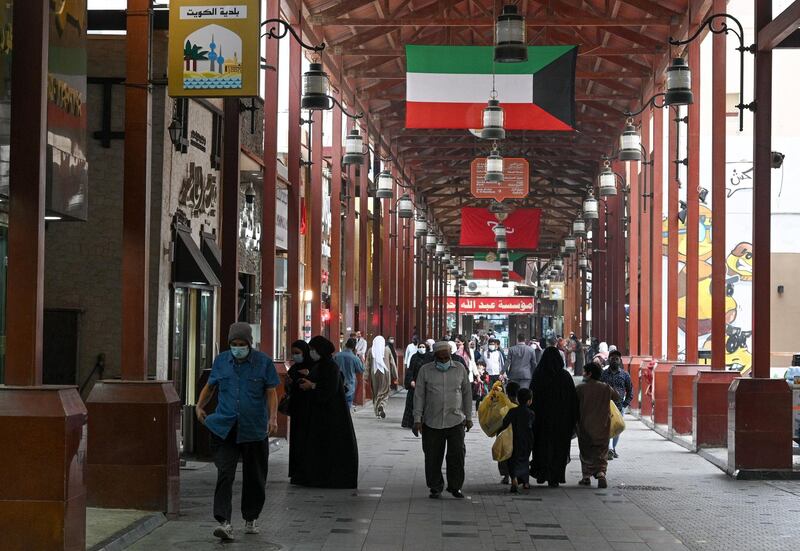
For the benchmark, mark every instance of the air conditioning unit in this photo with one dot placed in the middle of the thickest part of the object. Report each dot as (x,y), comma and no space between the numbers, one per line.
(472,287)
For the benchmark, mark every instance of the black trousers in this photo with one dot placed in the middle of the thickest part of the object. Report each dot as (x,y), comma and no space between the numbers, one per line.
(255,457)
(434,442)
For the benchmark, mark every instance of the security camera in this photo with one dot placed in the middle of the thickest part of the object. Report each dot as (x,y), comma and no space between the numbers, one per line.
(776,160)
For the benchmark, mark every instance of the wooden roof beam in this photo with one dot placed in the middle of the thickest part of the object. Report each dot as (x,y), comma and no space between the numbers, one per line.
(438,21)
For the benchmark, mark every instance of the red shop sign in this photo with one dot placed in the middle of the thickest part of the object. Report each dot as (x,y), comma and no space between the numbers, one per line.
(492,305)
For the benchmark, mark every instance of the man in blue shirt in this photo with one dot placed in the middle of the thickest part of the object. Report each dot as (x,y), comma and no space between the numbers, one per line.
(246,413)
(349,364)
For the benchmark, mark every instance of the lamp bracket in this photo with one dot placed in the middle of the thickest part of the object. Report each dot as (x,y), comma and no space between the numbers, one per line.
(352,116)
(652,102)
(305,163)
(306,121)
(280,28)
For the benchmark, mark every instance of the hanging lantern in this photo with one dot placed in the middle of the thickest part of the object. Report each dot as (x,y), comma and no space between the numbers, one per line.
(430,241)
(439,248)
(557,264)
(563,251)
(630,143)
(502,247)
(446,257)
(499,232)
(494,166)
(510,46)
(579,226)
(353,149)
(590,205)
(315,89)
(493,121)
(385,185)
(505,284)
(583,262)
(503,257)
(569,244)
(608,181)
(679,83)
(420,227)
(405,207)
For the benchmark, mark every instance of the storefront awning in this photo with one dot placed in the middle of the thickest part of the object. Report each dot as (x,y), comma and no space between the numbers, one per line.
(190,267)
(213,256)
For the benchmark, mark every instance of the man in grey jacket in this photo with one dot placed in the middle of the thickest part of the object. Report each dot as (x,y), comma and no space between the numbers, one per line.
(442,411)
(521,363)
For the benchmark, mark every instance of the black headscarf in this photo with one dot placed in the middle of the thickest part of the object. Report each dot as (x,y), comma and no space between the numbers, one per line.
(551,361)
(302,346)
(323,346)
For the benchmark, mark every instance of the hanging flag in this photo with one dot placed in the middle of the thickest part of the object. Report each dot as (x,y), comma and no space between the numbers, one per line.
(487,266)
(522,228)
(448,87)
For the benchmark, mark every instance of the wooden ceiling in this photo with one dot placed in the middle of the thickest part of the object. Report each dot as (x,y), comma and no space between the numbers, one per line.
(623,51)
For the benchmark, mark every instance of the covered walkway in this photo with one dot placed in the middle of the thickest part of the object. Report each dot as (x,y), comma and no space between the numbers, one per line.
(660,497)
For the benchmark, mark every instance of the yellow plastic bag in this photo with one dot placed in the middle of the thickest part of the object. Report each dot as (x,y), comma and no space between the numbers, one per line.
(617,421)
(493,409)
(503,445)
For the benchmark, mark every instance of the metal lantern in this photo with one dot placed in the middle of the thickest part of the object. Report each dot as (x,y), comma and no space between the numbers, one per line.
(315,89)
(420,227)
(493,121)
(563,251)
(446,258)
(405,207)
(502,247)
(500,232)
(569,244)
(630,144)
(430,241)
(579,226)
(509,45)
(590,205)
(353,148)
(505,284)
(557,264)
(385,185)
(679,83)
(175,130)
(503,257)
(608,181)
(494,167)
(439,248)
(583,263)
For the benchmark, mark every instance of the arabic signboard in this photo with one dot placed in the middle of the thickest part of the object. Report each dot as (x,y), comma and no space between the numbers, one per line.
(492,305)
(515,184)
(213,48)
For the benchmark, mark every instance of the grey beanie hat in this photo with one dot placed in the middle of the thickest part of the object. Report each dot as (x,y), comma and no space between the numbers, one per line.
(241,330)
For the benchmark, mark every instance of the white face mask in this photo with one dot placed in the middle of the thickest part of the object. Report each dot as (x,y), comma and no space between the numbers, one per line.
(492,347)
(314,355)
(422,349)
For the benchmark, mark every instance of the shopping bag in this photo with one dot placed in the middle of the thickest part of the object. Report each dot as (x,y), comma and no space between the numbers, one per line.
(503,445)
(493,409)
(617,421)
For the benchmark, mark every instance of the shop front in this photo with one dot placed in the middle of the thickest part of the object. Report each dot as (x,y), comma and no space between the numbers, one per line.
(502,316)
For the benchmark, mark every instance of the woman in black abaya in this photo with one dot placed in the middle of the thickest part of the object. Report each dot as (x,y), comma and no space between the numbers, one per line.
(329,455)
(555,404)
(299,409)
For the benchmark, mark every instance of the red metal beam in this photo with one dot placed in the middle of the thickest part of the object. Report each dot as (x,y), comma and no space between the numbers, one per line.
(335,275)
(229,233)
(672,243)
(645,240)
(27,191)
(293,156)
(314,199)
(656,249)
(693,211)
(637,308)
(777,30)
(363,243)
(350,269)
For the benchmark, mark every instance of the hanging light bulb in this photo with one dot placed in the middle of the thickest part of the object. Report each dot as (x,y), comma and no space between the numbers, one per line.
(420,227)
(353,149)
(430,241)
(315,89)
(509,45)
(494,166)
(569,244)
(608,181)
(679,83)
(590,205)
(493,120)
(630,143)
(500,232)
(579,225)
(405,207)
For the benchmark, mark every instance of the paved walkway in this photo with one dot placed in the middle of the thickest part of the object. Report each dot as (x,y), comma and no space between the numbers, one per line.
(661,497)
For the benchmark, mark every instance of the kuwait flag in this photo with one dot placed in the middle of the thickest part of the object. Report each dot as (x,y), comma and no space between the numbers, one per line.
(487,266)
(448,87)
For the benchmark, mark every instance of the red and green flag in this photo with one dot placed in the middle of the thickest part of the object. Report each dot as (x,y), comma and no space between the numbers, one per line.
(448,87)
(487,266)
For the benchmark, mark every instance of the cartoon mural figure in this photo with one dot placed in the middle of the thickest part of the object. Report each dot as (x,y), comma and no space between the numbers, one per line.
(739,268)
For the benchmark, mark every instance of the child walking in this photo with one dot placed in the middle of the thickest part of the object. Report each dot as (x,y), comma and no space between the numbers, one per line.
(511,391)
(480,386)
(521,420)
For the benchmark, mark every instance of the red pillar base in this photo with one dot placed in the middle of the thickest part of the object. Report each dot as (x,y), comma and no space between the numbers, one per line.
(42,488)
(710,407)
(759,426)
(133,461)
(358,399)
(644,382)
(681,398)
(661,392)
(632,367)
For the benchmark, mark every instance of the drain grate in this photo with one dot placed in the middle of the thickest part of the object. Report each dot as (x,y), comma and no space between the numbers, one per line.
(640,488)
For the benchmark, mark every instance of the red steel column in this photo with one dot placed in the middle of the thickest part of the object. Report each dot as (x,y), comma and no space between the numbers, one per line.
(645,239)
(718,193)
(229,233)
(335,275)
(295,286)
(378,253)
(693,213)
(634,279)
(672,244)
(387,282)
(656,254)
(315,223)
(362,177)
(268,194)
(600,328)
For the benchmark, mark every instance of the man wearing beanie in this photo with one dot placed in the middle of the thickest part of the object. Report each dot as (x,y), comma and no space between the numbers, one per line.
(246,414)
(442,411)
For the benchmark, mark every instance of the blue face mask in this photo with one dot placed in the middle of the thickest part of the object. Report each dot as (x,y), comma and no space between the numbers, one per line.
(442,366)
(240,352)
(297,358)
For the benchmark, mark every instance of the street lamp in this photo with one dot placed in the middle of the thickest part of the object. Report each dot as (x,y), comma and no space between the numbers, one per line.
(608,180)
(405,207)
(175,129)
(590,208)
(630,143)
(509,36)
(420,227)
(316,96)
(493,120)
(579,226)
(385,185)
(569,244)
(583,262)
(353,149)
(494,166)
(679,83)
(430,241)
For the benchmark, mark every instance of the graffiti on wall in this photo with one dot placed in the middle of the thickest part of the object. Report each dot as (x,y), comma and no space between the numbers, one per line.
(198,192)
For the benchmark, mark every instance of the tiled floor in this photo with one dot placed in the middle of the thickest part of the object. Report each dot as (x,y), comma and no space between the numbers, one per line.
(661,498)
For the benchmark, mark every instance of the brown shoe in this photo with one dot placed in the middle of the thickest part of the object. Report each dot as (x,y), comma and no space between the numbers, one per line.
(602,482)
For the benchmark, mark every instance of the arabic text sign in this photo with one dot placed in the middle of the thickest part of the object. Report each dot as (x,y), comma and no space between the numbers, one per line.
(515,184)
(213,48)
(492,305)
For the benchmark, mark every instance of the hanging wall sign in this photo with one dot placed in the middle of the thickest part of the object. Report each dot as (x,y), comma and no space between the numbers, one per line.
(515,184)
(492,305)
(213,48)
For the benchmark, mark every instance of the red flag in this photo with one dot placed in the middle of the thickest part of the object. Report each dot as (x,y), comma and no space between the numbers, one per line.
(522,228)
